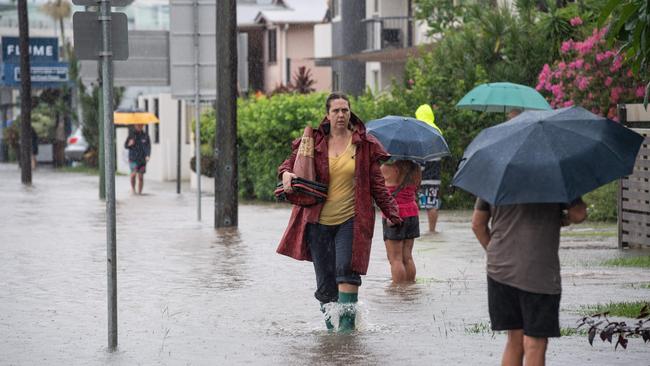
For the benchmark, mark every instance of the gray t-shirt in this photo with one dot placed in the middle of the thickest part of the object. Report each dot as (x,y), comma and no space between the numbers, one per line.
(524,244)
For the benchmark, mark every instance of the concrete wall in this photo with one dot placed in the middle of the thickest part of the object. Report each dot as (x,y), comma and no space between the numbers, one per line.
(296,43)
(300,50)
(162,164)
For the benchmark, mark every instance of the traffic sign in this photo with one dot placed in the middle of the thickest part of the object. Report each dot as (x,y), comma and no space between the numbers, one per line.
(48,75)
(88,35)
(41,49)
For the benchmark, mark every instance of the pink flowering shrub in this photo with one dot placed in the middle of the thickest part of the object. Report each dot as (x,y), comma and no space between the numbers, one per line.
(589,75)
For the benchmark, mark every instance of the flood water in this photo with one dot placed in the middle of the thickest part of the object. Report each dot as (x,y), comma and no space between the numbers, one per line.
(192,295)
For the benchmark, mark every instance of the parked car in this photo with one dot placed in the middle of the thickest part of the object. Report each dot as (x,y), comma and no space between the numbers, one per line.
(77,146)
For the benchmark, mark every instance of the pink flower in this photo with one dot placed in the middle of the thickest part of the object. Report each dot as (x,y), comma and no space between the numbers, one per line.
(561,65)
(615,94)
(566,46)
(640,91)
(575,21)
(568,103)
(582,83)
(629,73)
(579,63)
(608,81)
(611,114)
(616,65)
(411,82)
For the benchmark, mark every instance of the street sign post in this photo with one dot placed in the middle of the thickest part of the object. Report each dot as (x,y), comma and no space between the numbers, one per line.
(47,75)
(102,35)
(87,29)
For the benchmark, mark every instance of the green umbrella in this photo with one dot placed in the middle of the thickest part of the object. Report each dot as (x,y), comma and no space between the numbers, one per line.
(502,97)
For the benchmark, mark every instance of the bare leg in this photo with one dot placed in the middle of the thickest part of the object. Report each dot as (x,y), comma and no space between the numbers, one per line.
(407,259)
(133,182)
(33,162)
(535,350)
(394,252)
(140,182)
(432,215)
(513,355)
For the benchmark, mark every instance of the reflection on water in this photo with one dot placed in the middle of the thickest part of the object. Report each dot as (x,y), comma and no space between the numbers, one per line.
(190,294)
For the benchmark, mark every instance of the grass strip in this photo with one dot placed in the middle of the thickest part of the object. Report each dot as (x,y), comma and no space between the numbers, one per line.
(640,261)
(621,309)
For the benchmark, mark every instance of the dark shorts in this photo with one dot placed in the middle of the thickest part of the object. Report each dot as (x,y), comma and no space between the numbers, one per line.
(331,252)
(428,195)
(512,308)
(410,229)
(137,167)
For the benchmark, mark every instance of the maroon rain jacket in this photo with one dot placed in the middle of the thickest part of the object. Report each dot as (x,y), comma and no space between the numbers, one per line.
(369,184)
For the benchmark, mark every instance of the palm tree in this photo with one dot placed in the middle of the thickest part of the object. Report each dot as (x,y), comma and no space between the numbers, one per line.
(59,10)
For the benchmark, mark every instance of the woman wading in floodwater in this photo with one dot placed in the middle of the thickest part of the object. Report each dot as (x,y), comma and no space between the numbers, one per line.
(336,235)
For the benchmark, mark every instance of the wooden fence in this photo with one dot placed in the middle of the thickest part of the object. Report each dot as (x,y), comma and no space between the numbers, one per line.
(634,190)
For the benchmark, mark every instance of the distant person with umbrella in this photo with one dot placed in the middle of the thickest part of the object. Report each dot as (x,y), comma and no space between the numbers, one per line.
(139,145)
(429,190)
(529,174)
(336,235)
(402,180)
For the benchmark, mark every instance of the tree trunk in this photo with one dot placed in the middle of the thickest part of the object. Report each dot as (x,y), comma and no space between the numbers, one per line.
(25,96)
(59,141)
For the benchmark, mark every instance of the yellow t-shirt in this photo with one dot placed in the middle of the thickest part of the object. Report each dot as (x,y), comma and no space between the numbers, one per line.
(339,205)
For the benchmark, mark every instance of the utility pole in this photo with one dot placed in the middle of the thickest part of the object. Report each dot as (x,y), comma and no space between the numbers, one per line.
(25,96)
(225,153)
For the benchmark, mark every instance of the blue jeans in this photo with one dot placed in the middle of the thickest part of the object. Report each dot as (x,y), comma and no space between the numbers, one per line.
(331,253)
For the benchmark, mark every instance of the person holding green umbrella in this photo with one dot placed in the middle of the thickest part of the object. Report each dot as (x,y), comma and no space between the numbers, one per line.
(428,192)
(503,97)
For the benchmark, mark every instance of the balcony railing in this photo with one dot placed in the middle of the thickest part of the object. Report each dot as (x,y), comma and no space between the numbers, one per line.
(388,32)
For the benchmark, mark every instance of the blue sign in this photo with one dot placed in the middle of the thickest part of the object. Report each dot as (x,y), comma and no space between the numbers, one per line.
(50,75)
(41,50)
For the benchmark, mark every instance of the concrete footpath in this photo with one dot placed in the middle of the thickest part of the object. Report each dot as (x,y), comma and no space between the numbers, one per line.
(192,295)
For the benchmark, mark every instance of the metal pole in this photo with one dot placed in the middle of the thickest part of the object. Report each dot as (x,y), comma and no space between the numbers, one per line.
(225,190)
(100,126)
(106,56)
(178,149)
(197,111)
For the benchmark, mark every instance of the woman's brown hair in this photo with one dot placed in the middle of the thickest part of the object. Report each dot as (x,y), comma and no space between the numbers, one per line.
(405,167)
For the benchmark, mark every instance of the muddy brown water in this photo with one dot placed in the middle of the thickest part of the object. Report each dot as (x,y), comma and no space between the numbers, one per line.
(190,295)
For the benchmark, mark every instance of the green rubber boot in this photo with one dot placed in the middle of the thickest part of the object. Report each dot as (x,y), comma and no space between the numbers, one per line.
(347,301)
(328,322)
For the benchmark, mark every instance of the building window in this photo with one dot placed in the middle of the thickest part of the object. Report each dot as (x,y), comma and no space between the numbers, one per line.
(376,6)
(156,127)
(273,49)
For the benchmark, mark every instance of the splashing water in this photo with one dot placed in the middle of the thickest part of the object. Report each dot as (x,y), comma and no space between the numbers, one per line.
(332,311)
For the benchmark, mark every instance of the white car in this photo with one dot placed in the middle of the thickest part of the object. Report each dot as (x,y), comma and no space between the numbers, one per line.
(76,146)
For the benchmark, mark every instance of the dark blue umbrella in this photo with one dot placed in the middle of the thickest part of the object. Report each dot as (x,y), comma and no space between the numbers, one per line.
(547,156)
(407,138)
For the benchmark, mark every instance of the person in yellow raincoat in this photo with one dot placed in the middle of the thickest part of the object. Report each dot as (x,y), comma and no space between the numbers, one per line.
(428,193)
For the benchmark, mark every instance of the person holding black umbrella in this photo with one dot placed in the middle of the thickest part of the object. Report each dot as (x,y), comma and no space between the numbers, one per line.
(336,234)
(523,272)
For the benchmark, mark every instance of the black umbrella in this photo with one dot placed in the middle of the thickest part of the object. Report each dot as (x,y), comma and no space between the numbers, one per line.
(547,156)
(407,138)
